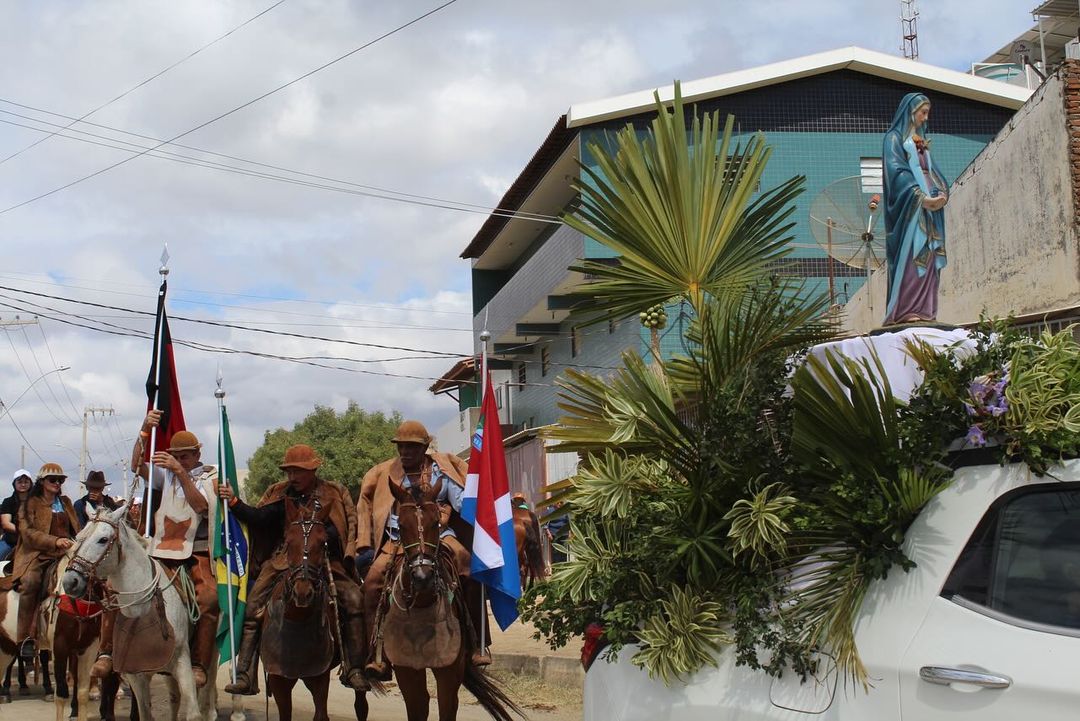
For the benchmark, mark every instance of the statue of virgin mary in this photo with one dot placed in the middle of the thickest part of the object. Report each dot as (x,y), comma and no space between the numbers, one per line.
(915,198)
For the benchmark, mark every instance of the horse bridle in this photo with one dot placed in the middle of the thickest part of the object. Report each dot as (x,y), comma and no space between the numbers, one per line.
(303,572)
(423,558)
(89,568)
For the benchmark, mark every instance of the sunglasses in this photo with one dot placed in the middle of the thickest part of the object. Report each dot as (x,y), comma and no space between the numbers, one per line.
(53,480)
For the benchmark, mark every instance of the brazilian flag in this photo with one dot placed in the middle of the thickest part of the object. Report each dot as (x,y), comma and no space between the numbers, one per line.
(230,553)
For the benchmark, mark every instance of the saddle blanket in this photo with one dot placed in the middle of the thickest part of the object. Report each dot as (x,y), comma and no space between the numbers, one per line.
(422,637)
(78,607)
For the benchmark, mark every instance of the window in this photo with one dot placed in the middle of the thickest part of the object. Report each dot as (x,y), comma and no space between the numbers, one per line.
(498,397)
(522,377)
(870,174)
(545,360)
(1022,564)
(575,341)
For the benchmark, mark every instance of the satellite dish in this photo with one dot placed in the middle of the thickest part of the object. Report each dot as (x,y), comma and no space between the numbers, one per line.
(846,221)
(1020,52)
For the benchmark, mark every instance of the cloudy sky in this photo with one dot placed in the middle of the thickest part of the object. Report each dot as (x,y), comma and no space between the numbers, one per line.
(450,108)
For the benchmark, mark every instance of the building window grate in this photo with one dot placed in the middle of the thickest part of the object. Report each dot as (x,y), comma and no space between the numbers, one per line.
(545,360)
(522,377)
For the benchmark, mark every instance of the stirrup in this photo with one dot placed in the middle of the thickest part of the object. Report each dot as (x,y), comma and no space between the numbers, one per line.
(378,671)
(243,685)
(28,649)
(355,680)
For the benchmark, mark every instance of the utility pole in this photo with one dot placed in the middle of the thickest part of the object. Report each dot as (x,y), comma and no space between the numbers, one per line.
(87,412)
(909,30)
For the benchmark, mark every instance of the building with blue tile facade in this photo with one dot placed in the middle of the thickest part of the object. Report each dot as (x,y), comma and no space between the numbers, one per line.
(824,117)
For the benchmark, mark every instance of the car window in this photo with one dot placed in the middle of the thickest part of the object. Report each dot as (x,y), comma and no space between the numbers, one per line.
(1023,561)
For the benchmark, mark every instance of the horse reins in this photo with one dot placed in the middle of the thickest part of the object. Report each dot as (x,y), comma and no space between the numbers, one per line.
(307,524)
(89,570)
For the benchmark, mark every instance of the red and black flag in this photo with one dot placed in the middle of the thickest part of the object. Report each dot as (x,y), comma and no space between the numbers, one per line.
(162,388)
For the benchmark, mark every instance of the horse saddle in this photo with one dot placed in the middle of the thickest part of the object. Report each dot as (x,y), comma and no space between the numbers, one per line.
(422,638)
(296,648)
(145,643)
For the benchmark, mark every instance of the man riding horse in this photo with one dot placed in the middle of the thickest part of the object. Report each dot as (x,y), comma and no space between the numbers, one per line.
(378,524)
(267,520)
(182,518)
(47,525)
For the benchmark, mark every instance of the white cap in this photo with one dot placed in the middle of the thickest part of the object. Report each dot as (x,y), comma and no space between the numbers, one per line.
(22,472)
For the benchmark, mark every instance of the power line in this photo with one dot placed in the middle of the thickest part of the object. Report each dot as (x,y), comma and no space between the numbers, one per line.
(174,291)
(60,376)
(229,112)
(21,435)
(18,357)
(45,378)
(368,191)
(223,324)
(144,82)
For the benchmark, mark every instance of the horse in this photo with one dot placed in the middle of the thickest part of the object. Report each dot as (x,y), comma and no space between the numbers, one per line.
(75,634)
(9,655)
(530,551)
(150,606)
(423,627)
(298,637)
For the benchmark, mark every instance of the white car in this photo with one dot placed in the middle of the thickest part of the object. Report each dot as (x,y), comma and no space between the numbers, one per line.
(986,627)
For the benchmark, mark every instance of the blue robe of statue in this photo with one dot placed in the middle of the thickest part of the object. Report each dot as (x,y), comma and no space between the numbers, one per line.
(914,236)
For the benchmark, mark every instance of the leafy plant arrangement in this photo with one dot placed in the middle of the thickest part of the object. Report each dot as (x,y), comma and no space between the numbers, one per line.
(737,495)
(1016,394)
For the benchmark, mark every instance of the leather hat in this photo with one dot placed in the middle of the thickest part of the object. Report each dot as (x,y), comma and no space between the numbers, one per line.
(412,432)
(184,441)
(301,456)
(51,469)
(95,479)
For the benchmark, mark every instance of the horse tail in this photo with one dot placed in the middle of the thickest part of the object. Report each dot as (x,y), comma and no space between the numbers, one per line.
(534,551)
(490,694)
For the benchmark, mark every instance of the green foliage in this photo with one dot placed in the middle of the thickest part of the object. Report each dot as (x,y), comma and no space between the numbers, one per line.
(349,443)
(759,525)
(683,636)
(677,205)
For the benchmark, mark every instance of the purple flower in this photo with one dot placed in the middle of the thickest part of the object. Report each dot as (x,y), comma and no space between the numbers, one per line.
(970,409)
(975,436)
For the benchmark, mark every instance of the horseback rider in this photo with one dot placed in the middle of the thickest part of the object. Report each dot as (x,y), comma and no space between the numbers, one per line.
(9,512)
(47,525)
(182,518)
(95,498)
(268,520)
(377,542)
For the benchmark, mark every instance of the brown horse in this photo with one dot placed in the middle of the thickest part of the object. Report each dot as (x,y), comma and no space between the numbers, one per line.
(530,551)
(76,635)
(298,638)
(424,626)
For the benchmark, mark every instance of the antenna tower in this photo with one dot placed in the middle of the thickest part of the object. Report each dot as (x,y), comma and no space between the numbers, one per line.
(909,29)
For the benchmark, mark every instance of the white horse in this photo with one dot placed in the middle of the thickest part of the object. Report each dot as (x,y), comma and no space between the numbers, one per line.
(108,549)
(9,617)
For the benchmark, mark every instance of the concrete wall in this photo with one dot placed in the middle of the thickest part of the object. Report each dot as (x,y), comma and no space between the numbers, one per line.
(1011,223)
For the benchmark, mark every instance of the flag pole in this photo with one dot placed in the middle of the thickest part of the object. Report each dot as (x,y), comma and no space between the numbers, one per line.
(149,494)
(223,476)
(485,336)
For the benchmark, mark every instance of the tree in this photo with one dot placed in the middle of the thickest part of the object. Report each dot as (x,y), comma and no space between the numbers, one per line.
(349,443)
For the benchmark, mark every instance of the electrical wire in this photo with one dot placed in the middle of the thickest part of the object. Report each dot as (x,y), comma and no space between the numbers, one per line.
(33,383)
(60,376)
(144,82)
(229,112)
(23,436)
(367,191)
(45,378)
(174,291)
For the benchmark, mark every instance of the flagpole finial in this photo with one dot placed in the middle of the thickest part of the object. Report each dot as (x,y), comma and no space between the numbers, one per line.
(164,269)
(485,336)
(220,392)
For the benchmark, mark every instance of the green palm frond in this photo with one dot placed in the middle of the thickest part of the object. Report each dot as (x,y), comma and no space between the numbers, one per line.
(633,411)
(845,412)
(677,207)
(684,636)
(727,338)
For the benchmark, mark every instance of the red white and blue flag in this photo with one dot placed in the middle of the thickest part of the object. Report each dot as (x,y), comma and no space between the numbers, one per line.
(486,505)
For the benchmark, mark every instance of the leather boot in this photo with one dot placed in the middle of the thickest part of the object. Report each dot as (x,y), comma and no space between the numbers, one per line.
(354,640)
(203,649)
(247,680)
(103,666)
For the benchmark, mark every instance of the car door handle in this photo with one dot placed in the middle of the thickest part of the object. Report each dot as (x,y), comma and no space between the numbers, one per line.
(946,676)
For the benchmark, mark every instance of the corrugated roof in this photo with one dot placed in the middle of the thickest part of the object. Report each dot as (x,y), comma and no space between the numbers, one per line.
(534,170)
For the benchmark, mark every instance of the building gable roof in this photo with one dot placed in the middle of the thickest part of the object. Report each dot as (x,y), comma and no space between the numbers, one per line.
(925,76)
